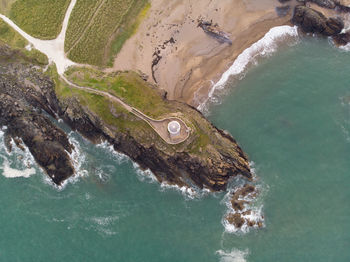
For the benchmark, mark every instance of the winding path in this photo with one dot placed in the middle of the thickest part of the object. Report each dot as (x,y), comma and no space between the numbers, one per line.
(54,49)
(160,126)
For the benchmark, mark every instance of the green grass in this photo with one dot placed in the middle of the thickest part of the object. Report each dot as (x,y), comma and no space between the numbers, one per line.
(40,18)
(98,29)
(16,41)
(133,90)
(111,113)
(10,36)
(81,16)
(126,85)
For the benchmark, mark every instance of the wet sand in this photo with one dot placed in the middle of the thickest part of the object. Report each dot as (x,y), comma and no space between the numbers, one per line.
(188,66)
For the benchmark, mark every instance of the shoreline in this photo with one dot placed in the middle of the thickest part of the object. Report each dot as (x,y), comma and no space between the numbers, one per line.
(265,46)
(189,64)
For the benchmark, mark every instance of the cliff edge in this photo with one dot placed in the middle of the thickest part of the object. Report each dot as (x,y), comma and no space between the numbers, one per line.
(208,158)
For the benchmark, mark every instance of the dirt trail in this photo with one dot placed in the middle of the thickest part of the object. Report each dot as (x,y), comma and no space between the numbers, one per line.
(54,49)
(159,126)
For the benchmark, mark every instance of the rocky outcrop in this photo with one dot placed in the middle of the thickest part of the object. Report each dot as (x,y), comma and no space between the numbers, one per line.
(312,21)
(214,31)
(241,213)
(179,168)
(24,94)
(342,39)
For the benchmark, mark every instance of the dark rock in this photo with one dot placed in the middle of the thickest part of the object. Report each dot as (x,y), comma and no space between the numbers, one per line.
(283,1)
(214,31)
(47,143)
(238,204)
(178,168)
(342,39)
(312,21)
(282,10)
(235,219)
(50,147)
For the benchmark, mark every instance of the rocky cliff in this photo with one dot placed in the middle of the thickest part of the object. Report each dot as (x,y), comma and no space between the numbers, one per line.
(323,17)
(209,158)
(312,21)
(24,93)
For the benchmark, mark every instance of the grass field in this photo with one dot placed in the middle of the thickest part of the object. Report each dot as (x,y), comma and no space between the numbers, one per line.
(126,85)
(133,90)
(98,29)
(16,41)
(39,18)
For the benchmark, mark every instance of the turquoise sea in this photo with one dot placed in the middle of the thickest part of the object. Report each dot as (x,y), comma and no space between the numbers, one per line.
(290,113)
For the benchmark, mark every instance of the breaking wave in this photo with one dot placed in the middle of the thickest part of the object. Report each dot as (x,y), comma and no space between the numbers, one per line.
(235,255)
(254,204)
(264,47)
(78,158)
(18,162)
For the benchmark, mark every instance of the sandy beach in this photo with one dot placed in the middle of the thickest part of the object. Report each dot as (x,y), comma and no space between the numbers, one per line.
(193,61)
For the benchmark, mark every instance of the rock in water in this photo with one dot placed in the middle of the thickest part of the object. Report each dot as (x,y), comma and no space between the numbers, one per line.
(342,39)
(312,21)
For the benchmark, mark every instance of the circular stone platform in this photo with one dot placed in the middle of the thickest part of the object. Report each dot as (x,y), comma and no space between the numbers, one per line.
(174,128)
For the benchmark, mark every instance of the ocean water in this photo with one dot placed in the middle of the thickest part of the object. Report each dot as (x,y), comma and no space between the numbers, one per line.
(290,113)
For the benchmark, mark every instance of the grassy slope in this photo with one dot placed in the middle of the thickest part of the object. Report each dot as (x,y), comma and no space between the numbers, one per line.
(39,18)
(111,113)
(132,89)
(103,36)
(16,41)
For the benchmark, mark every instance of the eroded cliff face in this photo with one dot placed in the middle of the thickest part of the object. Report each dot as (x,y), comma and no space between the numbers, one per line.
(25,94)
(180,167)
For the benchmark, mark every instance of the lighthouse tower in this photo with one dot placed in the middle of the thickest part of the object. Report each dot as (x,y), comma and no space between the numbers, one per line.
(174,129)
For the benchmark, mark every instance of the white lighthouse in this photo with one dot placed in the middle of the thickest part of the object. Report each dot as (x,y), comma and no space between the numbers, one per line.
(174,128)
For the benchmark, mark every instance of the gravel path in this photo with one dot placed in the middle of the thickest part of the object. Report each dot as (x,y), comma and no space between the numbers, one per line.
(54,49)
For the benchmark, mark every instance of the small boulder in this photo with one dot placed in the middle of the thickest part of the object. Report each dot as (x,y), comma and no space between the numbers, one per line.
(235,219)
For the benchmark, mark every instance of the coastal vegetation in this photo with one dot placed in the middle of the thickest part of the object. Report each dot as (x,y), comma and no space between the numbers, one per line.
(40,19)
(133,90)
(17,42)
(98,29)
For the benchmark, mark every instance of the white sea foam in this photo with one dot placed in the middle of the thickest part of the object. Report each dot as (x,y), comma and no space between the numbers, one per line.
(17,163)
(345,47)
(13,173)
(148,177)
(121,158)
(264,47)
(254,204)
(78,159)
(235,255)
(104,225)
